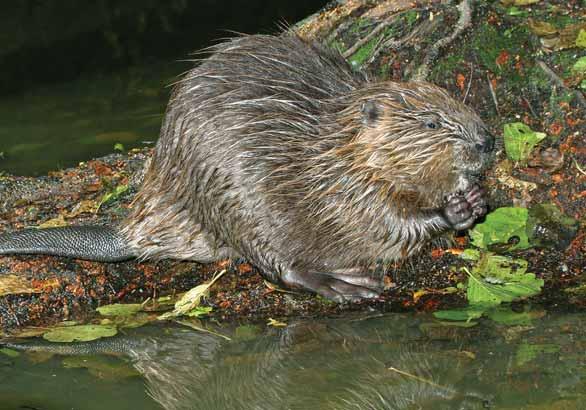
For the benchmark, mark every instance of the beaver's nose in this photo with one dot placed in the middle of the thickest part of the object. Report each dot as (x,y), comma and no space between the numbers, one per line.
(487,144)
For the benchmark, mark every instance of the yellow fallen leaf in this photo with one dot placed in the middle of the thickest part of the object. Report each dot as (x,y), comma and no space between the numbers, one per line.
(13,285)
(54,223)
(569,35)
(84,207)
(542,28)
(418,294)
(191,299)
(276,323)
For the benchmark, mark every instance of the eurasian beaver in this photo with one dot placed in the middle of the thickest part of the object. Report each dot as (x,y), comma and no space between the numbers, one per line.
(276,150)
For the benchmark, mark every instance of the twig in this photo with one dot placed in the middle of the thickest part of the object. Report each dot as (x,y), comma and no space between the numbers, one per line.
(465,9)
(336,32)
(392,44)
(194,326)
(420,379)
(493,93)
(469,83)
(579,169)
(560,83)
(380,27)
(530,107)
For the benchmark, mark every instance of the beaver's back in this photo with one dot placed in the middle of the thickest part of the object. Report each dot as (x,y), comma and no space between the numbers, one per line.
(234,123)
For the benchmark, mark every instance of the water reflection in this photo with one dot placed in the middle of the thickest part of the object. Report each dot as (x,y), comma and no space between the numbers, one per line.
(305,366)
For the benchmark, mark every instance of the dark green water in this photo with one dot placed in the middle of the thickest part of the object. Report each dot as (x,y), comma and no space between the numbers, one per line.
(56,126)
(79,77)
(386,362)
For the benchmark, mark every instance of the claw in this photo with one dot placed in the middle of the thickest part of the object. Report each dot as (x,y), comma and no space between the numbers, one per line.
(462,209)
(339,287)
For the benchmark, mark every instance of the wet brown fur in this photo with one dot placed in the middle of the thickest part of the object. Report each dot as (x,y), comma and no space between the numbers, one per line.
(266,153)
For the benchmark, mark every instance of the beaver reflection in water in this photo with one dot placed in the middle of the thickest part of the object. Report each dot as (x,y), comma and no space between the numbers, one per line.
(315,364)
(276,150)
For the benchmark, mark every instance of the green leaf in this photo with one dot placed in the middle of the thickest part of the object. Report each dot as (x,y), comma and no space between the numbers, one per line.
(119,147)
(501,225)
(520,140)
(129,322)
(580,65)
(200,311)
(527,352)
(505,316)
(103,367)
(480,292)
(542,28)
(470,254)
(467,313)
(120,309)
(512,286)
(526,2)
(9,352)
(112,195)
(516,11)
(520,2)
(80,333)
(276,323)
(468,323)
(581,39)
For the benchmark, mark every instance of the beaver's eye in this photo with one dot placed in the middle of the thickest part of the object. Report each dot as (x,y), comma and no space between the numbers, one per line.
(370,113)
(432,124)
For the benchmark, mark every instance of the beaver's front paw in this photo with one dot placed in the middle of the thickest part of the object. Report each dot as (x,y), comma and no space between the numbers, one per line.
(461,210)
(475,197)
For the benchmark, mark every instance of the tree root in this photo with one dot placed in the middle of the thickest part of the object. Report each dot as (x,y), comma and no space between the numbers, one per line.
(465,8)
(380,27)
(557,81)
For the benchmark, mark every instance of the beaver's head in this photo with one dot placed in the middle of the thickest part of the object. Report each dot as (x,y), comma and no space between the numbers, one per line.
(417,139)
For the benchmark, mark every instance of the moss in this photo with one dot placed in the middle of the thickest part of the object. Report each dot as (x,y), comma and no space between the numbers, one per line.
(446,66)
(538,78)
(410,18)
(564,61)
(490,43)
(364,52)
(558,20)
(496,50)
(359,25)
(384,71)
(337,45)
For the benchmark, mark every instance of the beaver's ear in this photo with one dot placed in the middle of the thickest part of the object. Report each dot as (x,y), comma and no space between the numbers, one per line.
(370,111)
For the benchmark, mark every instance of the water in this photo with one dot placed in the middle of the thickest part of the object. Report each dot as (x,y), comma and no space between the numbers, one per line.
(399,361)
(52,127)
(80,77)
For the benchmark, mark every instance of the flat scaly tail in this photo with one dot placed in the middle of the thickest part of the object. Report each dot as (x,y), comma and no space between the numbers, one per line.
(95,243)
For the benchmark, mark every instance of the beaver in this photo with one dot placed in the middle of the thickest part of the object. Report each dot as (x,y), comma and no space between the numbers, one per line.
(276,150)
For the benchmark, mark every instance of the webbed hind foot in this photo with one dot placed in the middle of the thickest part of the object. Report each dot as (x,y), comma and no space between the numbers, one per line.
(339,286)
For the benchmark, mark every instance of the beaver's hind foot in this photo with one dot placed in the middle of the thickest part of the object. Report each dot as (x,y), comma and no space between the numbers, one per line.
(337,286)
